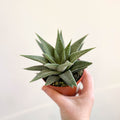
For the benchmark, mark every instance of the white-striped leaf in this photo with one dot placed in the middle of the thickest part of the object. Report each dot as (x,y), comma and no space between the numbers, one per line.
(56,57)
(80,65)
(67,50)
(43,74)
(81,46)
(40,45)
(75,55)
(37,68)
(68,78)
(75,46)
(36,58)
(63,56)
(46,46)
(63,66)
(61,38)
(49,58)
(59,45)
(52,66)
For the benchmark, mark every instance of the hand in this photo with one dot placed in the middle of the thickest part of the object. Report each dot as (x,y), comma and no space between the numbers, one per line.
(75,107)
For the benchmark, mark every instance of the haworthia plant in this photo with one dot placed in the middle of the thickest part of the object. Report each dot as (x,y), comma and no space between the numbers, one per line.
(59,62)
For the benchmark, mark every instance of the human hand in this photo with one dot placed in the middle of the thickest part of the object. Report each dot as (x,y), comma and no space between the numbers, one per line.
(75,107)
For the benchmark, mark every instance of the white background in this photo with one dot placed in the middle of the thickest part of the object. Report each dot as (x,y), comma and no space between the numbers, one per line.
(20,19)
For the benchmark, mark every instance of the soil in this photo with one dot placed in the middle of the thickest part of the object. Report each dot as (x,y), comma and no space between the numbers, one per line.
(77,75)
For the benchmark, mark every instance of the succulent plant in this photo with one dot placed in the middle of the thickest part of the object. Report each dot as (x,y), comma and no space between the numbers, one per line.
(59,63)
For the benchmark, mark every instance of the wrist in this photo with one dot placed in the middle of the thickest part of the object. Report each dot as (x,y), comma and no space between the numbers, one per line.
(74,118)
(84,119)
(65,116)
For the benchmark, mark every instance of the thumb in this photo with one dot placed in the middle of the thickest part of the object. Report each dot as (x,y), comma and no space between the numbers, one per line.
(54,95)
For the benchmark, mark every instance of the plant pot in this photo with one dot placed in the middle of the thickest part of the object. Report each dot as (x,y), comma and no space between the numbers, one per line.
(68,91)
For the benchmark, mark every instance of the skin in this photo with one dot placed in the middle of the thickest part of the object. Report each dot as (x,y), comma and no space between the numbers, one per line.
(75,107)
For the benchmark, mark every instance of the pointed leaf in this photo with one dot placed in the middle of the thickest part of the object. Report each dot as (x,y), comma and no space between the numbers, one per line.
(43,74)
(59,45)
(68,78)
(37,68)
(40,45)
(63,56)
(61,38)
(56,56)
(49,58)
(63,66)
(36,58)
(67,50)
(52,66)
(46,46)
(52,79)
(81,46)
(80,65)
(74,56)
(75,46)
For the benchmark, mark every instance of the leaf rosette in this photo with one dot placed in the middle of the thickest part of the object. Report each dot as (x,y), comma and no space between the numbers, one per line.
(59,62)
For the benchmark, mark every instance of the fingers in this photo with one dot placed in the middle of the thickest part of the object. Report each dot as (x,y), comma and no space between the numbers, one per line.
(88,87)
(54,95)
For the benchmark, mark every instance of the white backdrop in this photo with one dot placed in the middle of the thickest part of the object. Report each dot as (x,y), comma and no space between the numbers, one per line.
(20,19)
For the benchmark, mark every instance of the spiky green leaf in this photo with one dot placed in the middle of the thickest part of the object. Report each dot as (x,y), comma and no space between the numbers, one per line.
(43,74)
(80,65)
(63,56)
(52,66)
(56,57)
(67,50)
(52,79)
(63,66)
(61,38)
(36,58)
(37,68)
(81,46)
(75,46)
(46,46)
(68,78)
(74,56)
(49,58)
(59,44)
(40,45)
